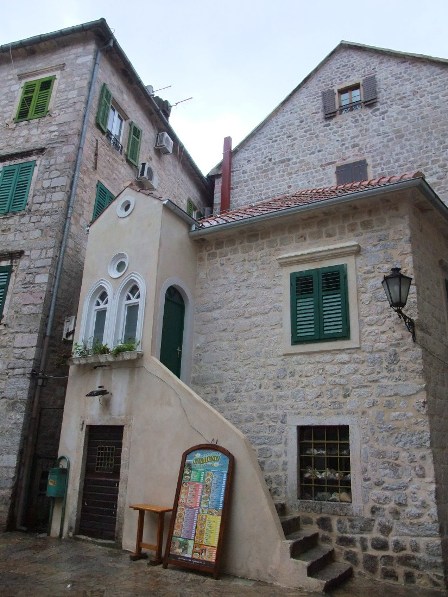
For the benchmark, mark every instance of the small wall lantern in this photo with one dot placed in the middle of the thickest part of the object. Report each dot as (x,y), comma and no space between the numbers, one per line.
(396,286)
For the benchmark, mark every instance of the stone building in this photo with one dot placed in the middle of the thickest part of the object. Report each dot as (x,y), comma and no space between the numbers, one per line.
(282,326)
(77,125)
(375,110)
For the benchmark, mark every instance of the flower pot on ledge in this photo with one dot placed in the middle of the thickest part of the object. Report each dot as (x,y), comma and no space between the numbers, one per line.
(95,359)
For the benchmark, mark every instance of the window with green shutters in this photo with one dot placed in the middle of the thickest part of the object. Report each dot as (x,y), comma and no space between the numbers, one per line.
(135,138)
(319,305)
(5,274)
(103,198)
(35,99)
(102,115)
(15,181)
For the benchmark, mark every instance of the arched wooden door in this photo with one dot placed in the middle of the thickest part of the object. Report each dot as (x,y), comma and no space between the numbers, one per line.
(173,330)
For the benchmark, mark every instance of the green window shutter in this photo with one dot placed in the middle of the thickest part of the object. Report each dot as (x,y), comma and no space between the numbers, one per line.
(103,198)
(191,207)
(319,305)
(42,98)
(134,140)
(22,186)
(26,100)
(304,306)
(15,181)
(5,274)
(334,321)
(35,99)
(8,177)
(102,115)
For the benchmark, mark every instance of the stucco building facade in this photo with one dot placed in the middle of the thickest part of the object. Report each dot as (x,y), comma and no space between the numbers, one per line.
(77,124)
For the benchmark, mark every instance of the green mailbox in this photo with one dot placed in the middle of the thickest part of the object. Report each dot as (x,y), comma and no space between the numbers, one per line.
(57,482)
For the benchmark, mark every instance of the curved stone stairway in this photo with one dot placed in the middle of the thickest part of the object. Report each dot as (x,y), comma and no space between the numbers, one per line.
(320,570)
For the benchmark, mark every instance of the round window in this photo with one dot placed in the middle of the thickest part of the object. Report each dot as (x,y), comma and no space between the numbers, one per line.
(125,206)
(118,265)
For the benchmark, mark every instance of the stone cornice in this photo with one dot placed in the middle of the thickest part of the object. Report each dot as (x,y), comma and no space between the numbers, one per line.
(331,252)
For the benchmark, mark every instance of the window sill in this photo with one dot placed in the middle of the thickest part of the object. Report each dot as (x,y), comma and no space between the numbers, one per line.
(337,508)
(99,359)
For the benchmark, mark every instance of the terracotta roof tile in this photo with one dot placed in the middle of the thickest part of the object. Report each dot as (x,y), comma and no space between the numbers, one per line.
(304,197)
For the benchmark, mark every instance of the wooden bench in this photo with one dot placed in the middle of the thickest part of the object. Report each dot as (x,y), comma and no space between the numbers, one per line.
(139,545)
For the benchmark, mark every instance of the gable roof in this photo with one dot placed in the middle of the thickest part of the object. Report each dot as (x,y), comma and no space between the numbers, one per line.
(342,45)
(309,198)
(101,29)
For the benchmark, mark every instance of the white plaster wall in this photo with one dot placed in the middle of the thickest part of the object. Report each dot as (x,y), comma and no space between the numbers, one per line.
(163,418)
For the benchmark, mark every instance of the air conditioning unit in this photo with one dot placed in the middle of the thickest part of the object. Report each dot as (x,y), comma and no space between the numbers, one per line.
(164,143)
(147,176)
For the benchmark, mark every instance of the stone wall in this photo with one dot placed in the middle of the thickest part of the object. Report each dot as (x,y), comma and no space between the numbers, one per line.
(240,367)
(431,272)
(297,148)
(52,142)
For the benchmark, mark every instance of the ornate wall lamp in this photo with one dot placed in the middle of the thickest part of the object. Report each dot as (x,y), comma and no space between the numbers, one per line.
(396,286)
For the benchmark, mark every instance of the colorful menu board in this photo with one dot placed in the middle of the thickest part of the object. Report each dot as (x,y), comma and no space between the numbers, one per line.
(200,508)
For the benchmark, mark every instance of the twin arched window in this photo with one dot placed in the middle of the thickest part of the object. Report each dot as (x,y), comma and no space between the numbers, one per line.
(113,318)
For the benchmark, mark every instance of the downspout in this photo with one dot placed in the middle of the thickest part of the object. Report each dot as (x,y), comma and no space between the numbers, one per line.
(24,479)
(226,175)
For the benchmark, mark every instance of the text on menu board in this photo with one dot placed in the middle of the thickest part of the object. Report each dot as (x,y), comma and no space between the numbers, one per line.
(200,506)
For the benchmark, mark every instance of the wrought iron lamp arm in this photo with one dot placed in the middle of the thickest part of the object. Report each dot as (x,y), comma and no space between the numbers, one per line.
(408,321)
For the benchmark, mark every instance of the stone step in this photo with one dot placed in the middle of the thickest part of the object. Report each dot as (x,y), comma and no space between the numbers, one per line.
(281,508)
(332,575)
(301,542)
(290,524)
(316,558)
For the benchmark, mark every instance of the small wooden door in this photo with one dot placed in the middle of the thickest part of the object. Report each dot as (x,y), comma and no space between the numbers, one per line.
(101,481)
(173,330)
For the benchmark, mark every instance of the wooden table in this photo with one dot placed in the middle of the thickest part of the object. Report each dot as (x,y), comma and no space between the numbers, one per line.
(160,511)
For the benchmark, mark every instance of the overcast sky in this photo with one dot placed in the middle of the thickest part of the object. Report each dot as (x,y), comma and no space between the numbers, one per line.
(237,58)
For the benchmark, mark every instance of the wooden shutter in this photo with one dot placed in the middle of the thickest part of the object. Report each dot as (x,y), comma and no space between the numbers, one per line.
(42,97)
(359,170)
(329,102)
(35,99)
(134,140)
(5,274)
(102,115)
(103,198)
(22,186)
(15,184)
(333,302)
(369,90)
(7,183)
(353,172)
(304,306)
(26,100)
(319,308)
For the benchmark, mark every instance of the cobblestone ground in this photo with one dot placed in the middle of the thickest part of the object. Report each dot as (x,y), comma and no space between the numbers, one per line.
(40,566)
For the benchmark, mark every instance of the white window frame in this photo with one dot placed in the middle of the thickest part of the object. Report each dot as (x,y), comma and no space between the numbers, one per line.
(88,316)
(316,259)
(120,308)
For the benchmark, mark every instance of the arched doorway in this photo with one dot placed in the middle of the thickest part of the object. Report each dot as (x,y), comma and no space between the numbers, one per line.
(172,330)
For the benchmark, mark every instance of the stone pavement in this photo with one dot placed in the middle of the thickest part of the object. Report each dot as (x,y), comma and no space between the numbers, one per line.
(41,566)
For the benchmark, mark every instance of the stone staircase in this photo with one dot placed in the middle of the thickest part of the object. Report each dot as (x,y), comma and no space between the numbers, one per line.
(316,562)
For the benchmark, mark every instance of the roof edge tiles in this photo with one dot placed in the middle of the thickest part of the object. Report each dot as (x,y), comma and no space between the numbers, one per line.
(314,198)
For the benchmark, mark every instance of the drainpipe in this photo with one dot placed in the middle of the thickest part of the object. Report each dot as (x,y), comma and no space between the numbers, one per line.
(226,174)
(28,452)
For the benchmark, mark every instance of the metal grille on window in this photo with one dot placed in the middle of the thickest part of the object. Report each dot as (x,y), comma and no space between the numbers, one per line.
(105,458)
(324,463)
